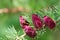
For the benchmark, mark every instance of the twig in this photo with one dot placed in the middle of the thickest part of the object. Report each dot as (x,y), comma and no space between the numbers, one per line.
(6,10)
(22,36)
(57,21)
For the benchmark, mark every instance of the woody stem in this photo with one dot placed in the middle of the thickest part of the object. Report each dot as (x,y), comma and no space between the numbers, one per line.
(57,21)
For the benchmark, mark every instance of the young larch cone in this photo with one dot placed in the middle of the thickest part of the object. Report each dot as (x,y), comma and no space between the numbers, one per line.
(37,21)
(23,22)
(49,22)
(30,31)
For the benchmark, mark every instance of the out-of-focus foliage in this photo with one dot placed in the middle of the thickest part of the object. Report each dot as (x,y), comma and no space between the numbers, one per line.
(6,4)
(9,19)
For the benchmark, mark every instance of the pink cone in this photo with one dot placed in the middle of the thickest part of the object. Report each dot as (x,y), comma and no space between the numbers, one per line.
(49,22)
(23,22)
(37,21)
(30,31)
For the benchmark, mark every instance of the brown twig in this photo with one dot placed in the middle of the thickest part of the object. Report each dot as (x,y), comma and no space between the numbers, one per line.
(57,21)
(6,10)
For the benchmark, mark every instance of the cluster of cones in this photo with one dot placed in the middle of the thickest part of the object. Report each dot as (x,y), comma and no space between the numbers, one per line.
(38,24)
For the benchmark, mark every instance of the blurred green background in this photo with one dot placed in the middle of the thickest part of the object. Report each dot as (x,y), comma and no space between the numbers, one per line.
(9,22)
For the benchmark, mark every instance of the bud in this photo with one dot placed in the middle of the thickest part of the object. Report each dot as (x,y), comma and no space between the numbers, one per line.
(23,22)
(37,21)
(30,31)
(49,22)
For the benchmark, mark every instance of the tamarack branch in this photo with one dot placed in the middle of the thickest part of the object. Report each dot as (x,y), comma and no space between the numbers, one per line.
(18,9)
